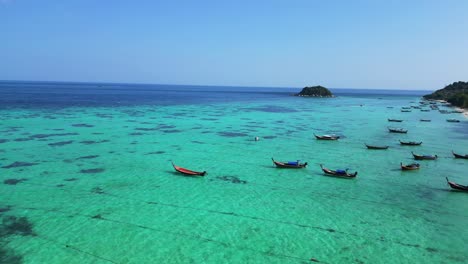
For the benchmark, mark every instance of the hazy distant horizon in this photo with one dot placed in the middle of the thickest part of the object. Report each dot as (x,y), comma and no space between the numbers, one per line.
(212,85)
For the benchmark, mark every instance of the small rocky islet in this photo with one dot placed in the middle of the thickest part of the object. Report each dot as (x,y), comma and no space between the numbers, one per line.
(315,91)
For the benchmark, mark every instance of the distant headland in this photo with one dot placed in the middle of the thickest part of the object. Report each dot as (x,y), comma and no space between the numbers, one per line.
(315,91)
(455,93)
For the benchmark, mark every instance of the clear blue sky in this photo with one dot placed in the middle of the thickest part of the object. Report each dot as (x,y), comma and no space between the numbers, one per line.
(339,44)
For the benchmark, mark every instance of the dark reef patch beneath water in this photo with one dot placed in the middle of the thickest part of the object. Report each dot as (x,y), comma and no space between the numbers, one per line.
(89,142)
(232,134)
(96,170)
(155,152)
(14,181)
(17,164)
(88,157)
(82,125)
(232,179)
(61,143)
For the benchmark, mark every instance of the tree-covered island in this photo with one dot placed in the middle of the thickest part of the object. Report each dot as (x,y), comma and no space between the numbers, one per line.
(315,91)
(455,93)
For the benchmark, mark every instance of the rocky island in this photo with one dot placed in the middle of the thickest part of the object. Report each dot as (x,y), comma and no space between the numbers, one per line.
(455,93)
(315,91)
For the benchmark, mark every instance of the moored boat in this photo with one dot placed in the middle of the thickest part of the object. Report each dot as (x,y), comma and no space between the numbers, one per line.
(453,120)
(327,137)
(412,166)
(338,173)
(397,130)
(187,171)
(375,147)
(457,186)
(459,156)
(394,120)
(289,164)
(410,143)
(424,157)
(425,120)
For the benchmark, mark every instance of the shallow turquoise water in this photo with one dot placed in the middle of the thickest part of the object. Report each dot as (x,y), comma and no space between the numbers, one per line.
(105,191)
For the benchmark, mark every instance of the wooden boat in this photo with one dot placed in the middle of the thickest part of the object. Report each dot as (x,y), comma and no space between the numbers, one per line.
(289,164)
(412,166)
(397,130)
(187,171)
(453,120)
(394,120)
(425,120)
(338,173)
(405,110)
(376,147)
(459,156)
(410,143)
(327,137)
(424,157)
(457,186)
(425,110)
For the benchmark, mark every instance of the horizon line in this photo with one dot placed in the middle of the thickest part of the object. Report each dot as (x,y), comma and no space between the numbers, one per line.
(210,85)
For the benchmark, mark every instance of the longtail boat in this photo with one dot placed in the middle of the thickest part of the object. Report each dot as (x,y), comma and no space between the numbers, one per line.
(338,173)
(376,147)
(397,130)
(459,156)
(327,137)
(412,166)
(453,120)
(187,171)
(457,186)
(394,120)
(424,157)
(410,143)
(289,164)
(425,120)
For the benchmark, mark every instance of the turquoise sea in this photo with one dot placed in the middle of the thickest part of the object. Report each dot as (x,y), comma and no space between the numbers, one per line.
(86,176)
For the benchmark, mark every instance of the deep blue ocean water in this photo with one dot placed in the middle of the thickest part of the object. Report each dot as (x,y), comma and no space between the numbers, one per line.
(15,94)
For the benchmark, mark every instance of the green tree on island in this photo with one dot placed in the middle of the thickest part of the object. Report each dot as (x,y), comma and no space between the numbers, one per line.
(455,93)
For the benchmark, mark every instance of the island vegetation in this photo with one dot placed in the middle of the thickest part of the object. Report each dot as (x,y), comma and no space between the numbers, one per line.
(315,91)
(455,93)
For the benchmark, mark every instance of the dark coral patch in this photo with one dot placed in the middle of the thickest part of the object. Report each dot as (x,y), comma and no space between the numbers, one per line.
(164,126)
(97,170)
(136,134)
(14,181)
(53,135)
(19,164)
(88,157)
(232,134)
(22,139)
(3,140)
(71,179)
(12,225)
(61,143)
(232,179)
(5,209)
(82,125)
(90,142)
(60,185)
(171,131)
(146,129)
(98,190)
(155,152)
